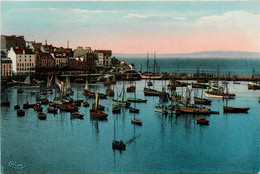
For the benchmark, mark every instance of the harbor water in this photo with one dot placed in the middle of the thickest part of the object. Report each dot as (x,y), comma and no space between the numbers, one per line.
(163,144)
(190,65)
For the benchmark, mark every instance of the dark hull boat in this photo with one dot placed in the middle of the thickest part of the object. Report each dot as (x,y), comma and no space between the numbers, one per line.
(52,110)
(37,108)
(98,114)
(76,115)
(202,121)
(136,100)
(203,101)
(5,103)
(16,107)
(116,110)
(151,92)
(199,85)
(118,145)
(235,109)
(99,107)
(20,112)
(42,116)
(92,94)
(130,89)
(133,110)
(19,91)
(27,105)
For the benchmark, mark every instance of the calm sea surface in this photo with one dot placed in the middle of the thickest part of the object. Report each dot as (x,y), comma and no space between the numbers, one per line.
(189,65)
(164,144)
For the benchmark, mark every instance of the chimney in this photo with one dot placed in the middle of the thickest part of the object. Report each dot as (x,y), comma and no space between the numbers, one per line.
(68,44)
(45,42)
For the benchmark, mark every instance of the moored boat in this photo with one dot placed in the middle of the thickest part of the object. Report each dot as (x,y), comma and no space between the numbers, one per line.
(136,121)
(199,85)
(203,101)
(134,110)
(136,100)
(52,110)
(116,110)
(85,104)
(151,92)
(130,89)
(253,85)
(202,121)
(44,101)
(232,109)
(5,103)
(76,115)
(16,107)
(118,145)
(110,92)
(37,108)
(42,116)
(20,112)
(96,113)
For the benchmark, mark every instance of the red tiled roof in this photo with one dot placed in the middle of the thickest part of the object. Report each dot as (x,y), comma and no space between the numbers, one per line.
(45,55)
(20,51)
(37,46)
(14,37)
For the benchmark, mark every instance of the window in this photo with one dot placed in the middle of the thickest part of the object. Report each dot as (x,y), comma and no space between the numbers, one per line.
(17,64)
(25,60)
(20,60)
(20,57)
(25,56)
(32,64)
(9,66)
(30,59)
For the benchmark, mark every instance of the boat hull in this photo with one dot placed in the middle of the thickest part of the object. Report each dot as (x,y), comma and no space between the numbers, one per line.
(235,109)
(220,95)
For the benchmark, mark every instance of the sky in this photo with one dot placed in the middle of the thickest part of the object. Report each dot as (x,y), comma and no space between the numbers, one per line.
(133,27)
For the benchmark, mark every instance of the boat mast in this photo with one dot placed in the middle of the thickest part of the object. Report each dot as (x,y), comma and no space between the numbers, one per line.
(154,62)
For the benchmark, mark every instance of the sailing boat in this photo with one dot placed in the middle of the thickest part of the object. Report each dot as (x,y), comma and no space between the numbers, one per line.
(122,102)
(130,88)
(153,75)
(217,91)
(117,145)
(201,100)
(188,105)
(90,94)
(27,83)
(135,120)
(233,109)
(48,86)
(95,112)
(134,110)
(116,109)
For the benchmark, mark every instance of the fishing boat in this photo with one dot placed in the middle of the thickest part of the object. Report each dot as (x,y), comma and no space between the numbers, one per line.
(217,91)
(253,85)
(99,107)
(122,101)
(148,75)
(42,116)
(202,101)
(117,145)
(52,110)
(232,109)
(116,110)
(96,113)
(202,121)
(20,112)
(16,107)
(130,89)
(37,108)
(136,100)
(7,103)
(187,105)
(151,92)
(163,108)
(199,85)
(76,115)
(27,105)
(134,110)
(236,82)
(27,83)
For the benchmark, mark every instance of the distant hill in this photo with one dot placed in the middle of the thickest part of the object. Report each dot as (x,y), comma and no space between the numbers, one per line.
(204,54)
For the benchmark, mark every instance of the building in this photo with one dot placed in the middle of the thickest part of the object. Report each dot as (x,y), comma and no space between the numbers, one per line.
(23,59)
(61,56)
(45,60)
(12,41)
(83,59)
(103,57)
(6,65)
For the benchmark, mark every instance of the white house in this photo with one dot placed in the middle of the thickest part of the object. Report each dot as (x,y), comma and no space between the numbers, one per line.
(23,59)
